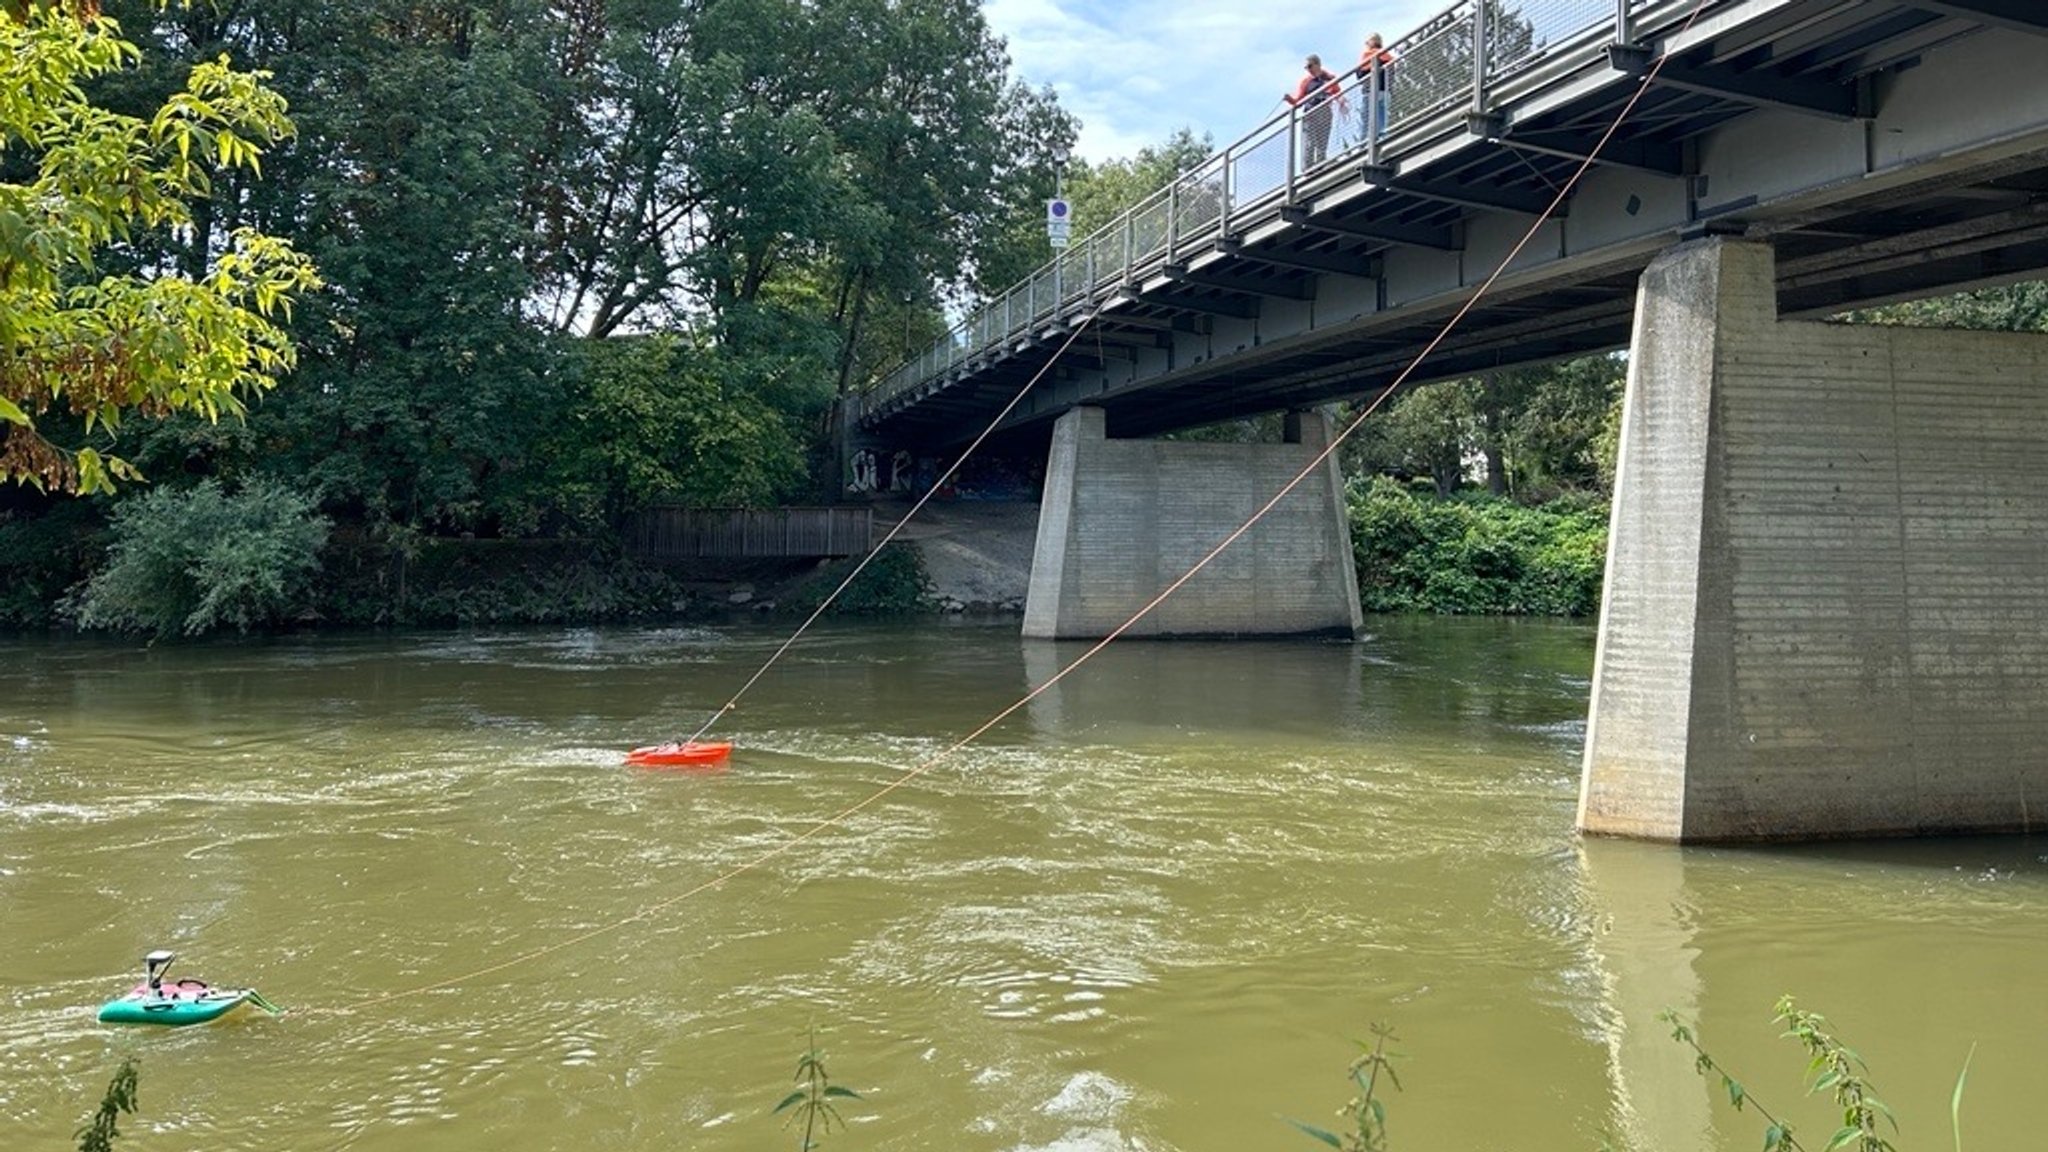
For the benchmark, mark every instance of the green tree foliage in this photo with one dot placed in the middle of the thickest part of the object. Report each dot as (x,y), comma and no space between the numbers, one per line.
(652,421)
(712,151)
(82,347)
(784,186)
(2013,308)
(1428,431)
(1475,555)
(41,556)
(423,387)
(192,560)
(1535,433)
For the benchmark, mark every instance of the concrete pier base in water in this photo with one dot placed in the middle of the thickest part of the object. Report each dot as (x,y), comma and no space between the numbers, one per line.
(1826,605)
(1122,519)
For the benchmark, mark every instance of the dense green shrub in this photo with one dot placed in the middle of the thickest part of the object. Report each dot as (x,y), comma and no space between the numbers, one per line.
(191,560)
(894,583)
(381,581)
(1475,554)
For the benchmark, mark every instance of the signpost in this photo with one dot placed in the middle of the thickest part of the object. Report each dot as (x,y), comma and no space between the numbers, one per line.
(1059,221)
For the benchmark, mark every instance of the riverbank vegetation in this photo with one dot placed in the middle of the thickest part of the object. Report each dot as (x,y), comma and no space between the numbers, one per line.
(573,263)
(1488,496)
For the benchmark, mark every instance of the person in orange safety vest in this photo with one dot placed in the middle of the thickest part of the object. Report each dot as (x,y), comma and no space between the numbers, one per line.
(1313,96)
(1375,79)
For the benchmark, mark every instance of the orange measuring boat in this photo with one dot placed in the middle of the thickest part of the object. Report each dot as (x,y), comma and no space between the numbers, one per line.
(688,754)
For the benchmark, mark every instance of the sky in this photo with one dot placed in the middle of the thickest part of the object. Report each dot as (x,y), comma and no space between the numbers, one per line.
(1133,71)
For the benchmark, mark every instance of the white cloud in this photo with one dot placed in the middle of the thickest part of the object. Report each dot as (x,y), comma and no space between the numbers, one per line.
(1134,72)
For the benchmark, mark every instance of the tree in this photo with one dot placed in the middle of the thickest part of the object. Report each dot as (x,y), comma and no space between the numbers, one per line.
(1538,428)
(738,157)
(649,422)
(2013,308)
(1428,431)
(81,349)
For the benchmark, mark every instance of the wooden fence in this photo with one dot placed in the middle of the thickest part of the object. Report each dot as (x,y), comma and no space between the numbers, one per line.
(727,533)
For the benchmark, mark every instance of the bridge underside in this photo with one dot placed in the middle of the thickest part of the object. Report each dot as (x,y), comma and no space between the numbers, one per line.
(1826,608)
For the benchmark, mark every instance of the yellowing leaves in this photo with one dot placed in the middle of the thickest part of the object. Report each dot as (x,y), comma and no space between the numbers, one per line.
(156,344)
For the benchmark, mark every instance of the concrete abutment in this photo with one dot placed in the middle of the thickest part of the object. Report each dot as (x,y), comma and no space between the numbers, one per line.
(1120,520)
(1826,609)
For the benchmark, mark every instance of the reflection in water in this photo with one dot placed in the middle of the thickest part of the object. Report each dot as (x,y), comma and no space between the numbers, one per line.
(1642,933)
(1151,912)
(1135,692)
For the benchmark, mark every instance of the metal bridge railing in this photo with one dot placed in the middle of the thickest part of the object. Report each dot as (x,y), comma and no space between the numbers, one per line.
(1452,61)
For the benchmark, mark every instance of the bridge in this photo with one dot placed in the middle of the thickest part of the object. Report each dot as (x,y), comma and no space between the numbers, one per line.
(1886,149)
(1826,603)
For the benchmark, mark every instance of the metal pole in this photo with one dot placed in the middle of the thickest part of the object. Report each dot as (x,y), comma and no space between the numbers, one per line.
(1479,55)
(1173,217)
(1621,29)
(1059,192)
(1374,109)
(1223,209)
(1293,147)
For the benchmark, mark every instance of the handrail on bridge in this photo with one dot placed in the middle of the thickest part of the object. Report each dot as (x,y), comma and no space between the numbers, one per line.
(1454,58)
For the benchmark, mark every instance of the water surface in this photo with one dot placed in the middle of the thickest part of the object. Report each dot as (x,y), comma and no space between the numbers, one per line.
(1152,910)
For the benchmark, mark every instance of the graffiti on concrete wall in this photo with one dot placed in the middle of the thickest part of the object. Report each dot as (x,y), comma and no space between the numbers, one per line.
(979,478)
(863,479)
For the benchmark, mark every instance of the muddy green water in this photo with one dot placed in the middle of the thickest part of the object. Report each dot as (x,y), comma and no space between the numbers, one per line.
(1150,911)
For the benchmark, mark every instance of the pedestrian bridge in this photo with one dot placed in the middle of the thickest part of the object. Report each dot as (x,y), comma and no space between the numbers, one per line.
(1826,604)
(1884,148)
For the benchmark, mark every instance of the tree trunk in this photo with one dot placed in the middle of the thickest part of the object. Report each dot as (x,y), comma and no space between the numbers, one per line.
(850,336)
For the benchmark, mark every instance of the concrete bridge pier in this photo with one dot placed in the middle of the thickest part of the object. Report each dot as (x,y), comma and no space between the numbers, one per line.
(1122,519)
(1826,605)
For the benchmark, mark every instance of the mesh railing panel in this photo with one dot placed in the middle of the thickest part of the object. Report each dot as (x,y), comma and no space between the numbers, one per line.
(1520,30)
(1073,266)
(1433,68)
(1198,200)
(1348,134)
(1148,230)
(1258,167)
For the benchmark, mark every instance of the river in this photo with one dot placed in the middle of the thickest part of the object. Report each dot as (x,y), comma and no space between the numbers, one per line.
(1151,910)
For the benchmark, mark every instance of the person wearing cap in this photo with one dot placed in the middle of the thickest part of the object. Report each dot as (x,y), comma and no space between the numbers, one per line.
(1317,88)
(1375,79)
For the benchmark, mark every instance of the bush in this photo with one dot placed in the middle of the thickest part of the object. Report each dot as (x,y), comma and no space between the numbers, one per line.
(384,579)
(189,561)
(894,583)
(1475,554)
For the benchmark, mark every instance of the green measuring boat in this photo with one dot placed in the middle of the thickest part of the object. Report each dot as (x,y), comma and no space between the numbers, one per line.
(176,1002)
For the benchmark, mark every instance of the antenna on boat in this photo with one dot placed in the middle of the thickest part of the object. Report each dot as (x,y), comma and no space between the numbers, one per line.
(153,966)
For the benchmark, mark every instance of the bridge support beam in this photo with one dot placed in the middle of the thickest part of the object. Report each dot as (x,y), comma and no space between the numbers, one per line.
(1122,519)
(1826,606)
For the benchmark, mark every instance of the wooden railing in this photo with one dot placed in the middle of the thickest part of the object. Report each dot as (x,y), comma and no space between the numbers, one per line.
(727,533)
